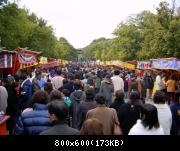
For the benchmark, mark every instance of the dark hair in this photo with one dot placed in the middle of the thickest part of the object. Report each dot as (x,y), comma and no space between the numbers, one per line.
(39,96)
(55,94)
(66,92)
(58,108)
(65,81)
(159,97)
(116,72)
(149,116)
(58,71)
(77,85)
(23,76)
(92,127)
(90,93)
(134,96)
(77,76)
(70,76)
(108,76)
(48,87)
(100,99)
(119,95)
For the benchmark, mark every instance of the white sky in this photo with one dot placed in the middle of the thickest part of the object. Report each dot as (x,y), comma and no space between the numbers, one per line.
(81,21)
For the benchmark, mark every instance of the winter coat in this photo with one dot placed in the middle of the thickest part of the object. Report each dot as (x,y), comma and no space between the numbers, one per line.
(139,129)
(60,128)
(85,106)
(149,83)
(175,109)
(105,115)
(33,122)
(107,90)
(26,94)
(117,104)
(76,97)
(128,114)
(165,117)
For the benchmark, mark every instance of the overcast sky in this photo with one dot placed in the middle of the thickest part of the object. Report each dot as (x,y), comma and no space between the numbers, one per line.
(81,21)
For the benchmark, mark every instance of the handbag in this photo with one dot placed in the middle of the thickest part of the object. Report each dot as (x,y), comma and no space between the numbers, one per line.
(116,129)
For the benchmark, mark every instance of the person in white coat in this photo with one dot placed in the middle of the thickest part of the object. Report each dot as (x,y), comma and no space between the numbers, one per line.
(149,123)
(164,112)
(117,81)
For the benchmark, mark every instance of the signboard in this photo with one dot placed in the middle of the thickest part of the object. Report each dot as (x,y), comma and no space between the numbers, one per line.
(25,58)
(50,64)
(173,64)
(6,61)
(126,65)
(144,65)
(43,60)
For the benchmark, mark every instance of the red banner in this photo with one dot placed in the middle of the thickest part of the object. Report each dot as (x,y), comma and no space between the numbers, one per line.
(25,58)
(50,65)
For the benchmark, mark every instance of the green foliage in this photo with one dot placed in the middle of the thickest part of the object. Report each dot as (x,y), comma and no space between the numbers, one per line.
(19,28)
(142,36)
(65,50)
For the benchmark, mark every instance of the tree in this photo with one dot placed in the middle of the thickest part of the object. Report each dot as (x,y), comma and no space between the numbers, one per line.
(65,50)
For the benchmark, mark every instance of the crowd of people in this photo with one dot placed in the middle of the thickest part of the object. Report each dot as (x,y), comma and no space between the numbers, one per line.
(84,99)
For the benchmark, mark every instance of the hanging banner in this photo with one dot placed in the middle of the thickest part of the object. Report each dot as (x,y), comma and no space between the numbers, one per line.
(50,64)
(126,65)
(25,58)
(144,65)
(173,64)
(43,60)
(6,61)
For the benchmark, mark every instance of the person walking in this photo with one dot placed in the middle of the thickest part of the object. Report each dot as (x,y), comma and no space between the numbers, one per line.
(148,124)
(58,111)
(107,116)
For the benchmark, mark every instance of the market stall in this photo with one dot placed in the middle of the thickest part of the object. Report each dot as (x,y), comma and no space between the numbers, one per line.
(7,62)
(170,65)
(143,66)
(166,63)
(26,58)
(51,63)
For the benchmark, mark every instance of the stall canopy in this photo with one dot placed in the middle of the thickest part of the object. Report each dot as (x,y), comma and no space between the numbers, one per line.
(7,61)
(27,58)
(166,63)
(51,63)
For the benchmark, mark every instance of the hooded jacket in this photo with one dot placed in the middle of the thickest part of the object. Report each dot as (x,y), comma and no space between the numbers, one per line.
(76,97)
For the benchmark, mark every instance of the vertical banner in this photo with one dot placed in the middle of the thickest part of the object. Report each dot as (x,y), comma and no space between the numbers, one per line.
(6,61)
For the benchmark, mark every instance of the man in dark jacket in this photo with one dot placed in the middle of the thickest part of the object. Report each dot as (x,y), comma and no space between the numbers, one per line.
(129,113)
(76,97)
(86,105)
(26,92)
(58,112)
(175,109)
(148,80)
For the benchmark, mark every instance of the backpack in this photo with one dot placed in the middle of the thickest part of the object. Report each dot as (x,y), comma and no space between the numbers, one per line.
(67,101)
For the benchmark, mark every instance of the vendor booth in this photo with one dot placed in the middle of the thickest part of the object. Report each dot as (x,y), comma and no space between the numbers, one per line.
(7,62)
(170,65)
(166,63)
(26,58)
(51,63)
